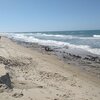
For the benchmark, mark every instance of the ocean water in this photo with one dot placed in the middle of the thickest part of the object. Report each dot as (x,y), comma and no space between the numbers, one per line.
(86,40)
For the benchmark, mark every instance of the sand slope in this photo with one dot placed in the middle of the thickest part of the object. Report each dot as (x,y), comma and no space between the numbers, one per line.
(37,76)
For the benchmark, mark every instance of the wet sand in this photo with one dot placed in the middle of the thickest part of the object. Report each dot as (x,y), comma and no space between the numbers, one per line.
(37,74)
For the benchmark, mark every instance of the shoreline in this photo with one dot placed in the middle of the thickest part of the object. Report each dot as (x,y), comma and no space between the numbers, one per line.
(39,74)
(81,59)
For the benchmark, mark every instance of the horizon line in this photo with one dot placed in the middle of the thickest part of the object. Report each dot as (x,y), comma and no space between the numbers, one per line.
(51,31)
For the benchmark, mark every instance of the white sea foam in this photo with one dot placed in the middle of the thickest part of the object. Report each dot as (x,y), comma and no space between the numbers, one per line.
(24,37)
(97,36)
(86,48)
(63,36)
(51,35)
(55,36)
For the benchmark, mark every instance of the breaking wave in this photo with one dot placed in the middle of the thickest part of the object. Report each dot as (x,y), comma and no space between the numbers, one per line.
(31,38)
(97,36)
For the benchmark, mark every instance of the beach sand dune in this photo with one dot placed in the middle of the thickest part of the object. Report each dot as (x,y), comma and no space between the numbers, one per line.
(38,76)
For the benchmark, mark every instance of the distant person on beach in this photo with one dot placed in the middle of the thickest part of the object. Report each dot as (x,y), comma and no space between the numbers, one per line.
(0,37)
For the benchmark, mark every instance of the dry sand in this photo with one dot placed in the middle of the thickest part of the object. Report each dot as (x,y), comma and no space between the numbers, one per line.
(38,76)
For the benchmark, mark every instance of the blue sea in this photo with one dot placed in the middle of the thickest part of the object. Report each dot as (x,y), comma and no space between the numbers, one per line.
(88,40)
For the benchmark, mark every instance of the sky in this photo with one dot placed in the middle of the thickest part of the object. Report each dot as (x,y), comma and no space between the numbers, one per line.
(49,15)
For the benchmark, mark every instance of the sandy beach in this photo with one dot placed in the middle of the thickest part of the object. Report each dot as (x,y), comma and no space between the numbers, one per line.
(37,75)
